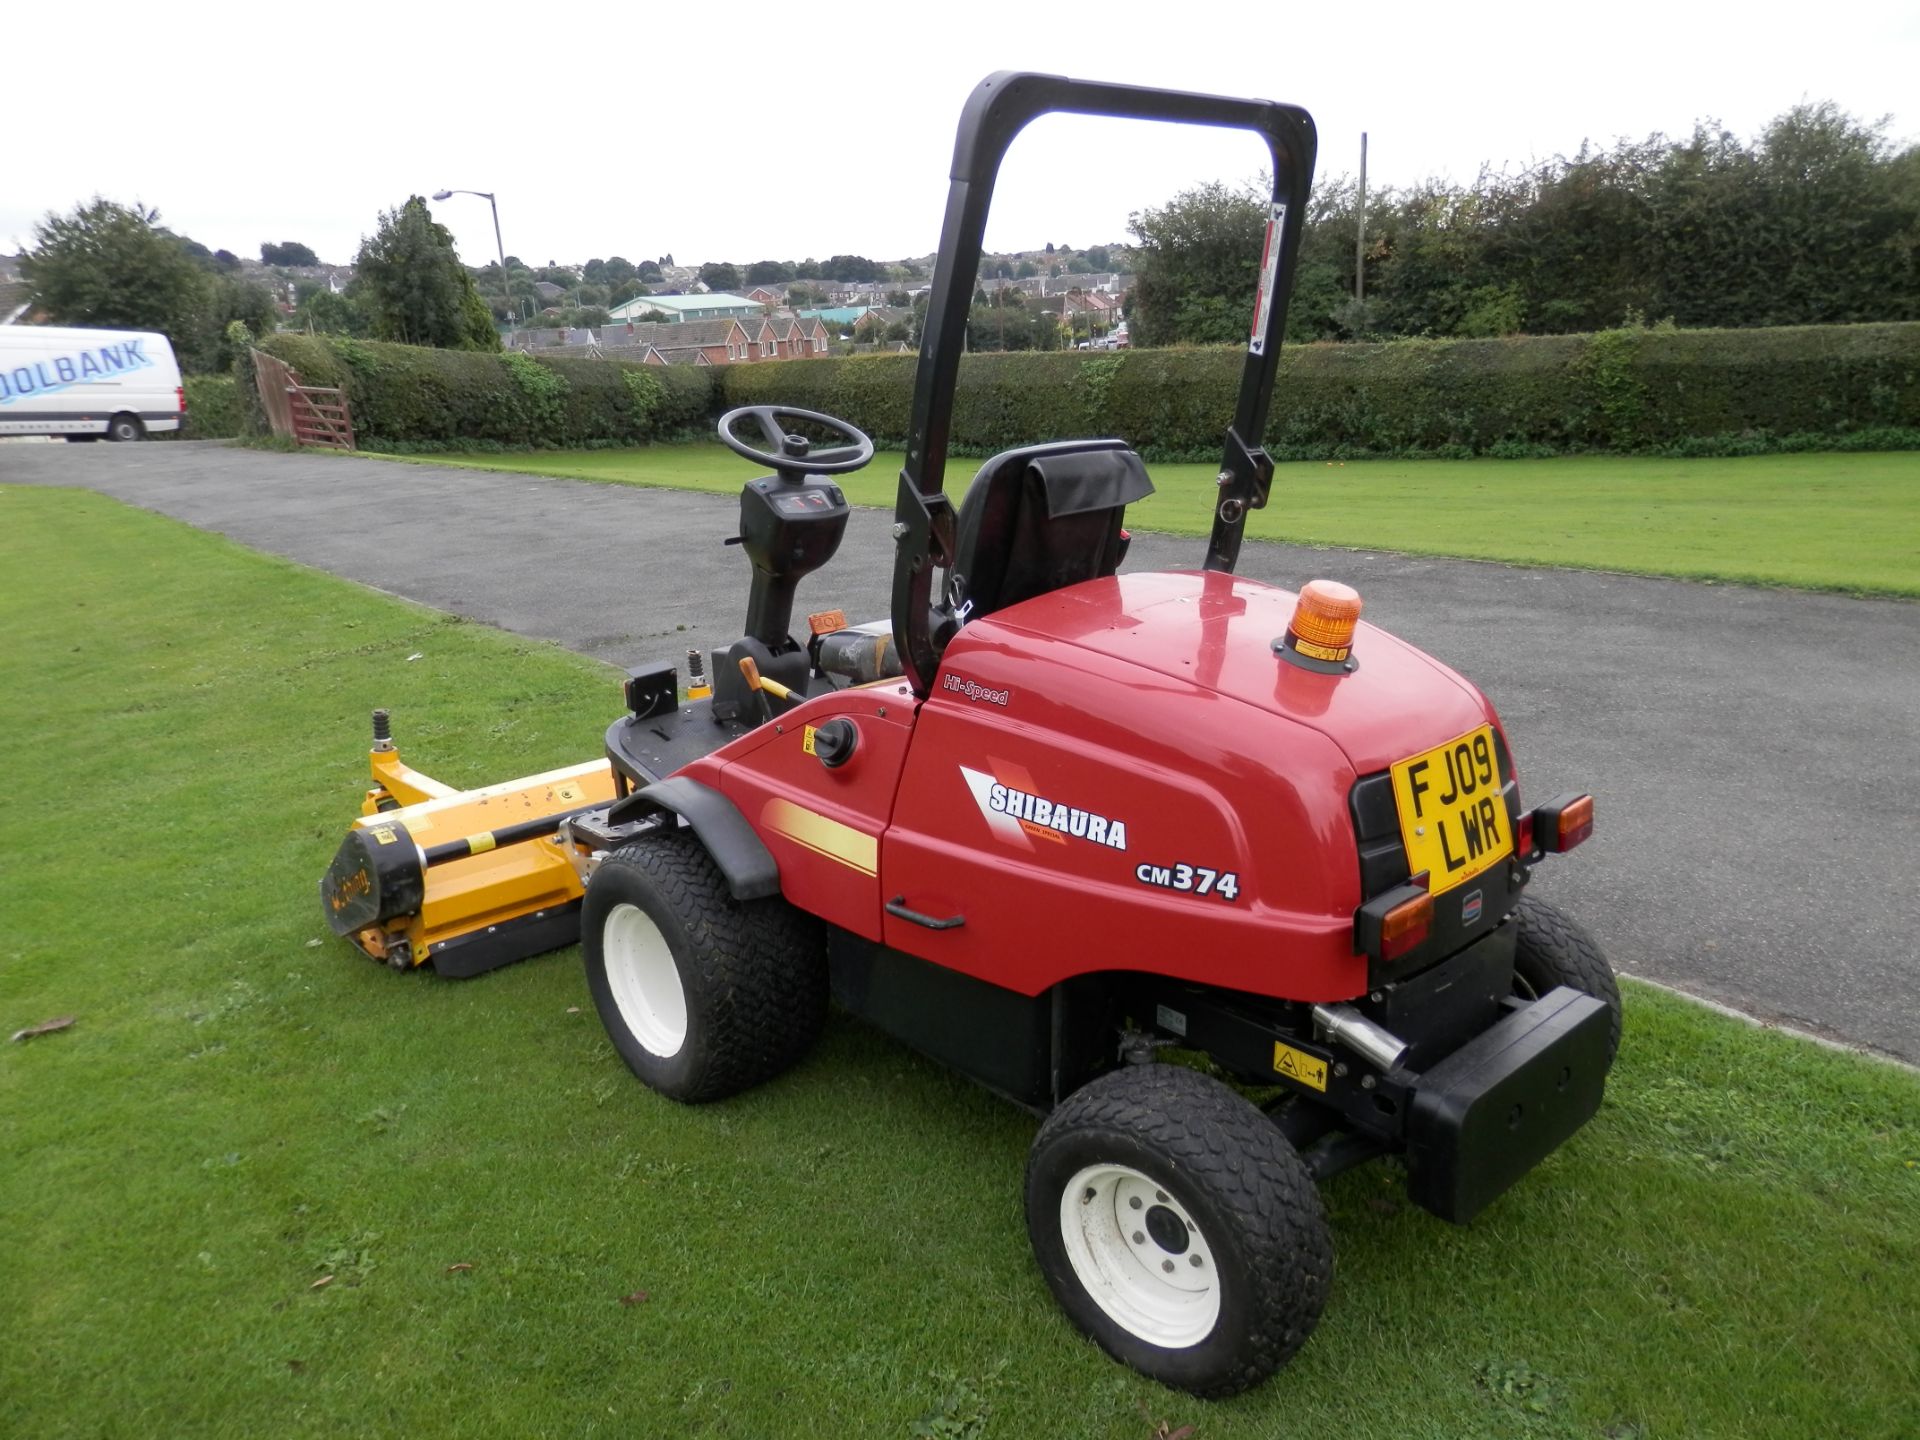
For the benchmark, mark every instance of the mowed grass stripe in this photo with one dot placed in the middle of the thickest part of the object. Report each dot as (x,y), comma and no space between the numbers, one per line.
(1731,1248)
(1817,522)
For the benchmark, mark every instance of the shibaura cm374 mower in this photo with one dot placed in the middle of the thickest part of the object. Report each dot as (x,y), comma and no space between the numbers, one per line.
(1227,884)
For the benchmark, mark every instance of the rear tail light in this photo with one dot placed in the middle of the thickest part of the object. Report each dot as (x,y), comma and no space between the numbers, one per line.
(1523,836)
(180,394)
(1563,823)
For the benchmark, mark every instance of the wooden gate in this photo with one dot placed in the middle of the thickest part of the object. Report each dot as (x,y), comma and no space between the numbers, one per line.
(309,414)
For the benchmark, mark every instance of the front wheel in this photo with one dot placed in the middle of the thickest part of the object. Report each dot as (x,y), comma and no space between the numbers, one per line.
(1178,1228)
(126,427)
(703,995)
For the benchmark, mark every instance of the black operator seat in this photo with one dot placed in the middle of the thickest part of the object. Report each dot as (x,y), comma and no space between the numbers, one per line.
(1041,518)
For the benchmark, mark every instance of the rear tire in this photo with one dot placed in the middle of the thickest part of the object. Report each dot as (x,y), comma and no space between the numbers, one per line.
(703,995)
(126,427)
(1178,1228)
(1550,949)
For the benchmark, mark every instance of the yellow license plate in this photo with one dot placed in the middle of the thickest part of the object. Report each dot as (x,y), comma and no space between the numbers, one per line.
(1453,817)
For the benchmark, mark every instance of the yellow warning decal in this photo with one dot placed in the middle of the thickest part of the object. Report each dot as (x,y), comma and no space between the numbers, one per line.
(1297,1065)
(806,739)
(480,844)
(384,834)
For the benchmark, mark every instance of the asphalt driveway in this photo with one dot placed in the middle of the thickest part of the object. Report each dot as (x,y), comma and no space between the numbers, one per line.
(1755,754)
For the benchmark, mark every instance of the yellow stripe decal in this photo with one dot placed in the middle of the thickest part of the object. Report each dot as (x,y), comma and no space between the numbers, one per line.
(823,835)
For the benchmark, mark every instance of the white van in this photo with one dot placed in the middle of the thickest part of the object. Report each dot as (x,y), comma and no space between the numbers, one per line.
(123,384)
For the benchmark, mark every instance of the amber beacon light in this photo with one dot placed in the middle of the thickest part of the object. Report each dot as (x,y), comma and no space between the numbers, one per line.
(1320,634)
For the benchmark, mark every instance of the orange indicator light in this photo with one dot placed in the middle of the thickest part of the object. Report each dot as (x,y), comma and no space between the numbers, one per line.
(1405,926)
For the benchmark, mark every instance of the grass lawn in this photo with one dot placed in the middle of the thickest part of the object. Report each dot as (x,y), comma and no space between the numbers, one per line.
(1818,522)
(244,1106)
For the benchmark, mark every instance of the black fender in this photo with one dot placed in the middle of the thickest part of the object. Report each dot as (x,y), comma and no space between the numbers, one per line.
(752,872)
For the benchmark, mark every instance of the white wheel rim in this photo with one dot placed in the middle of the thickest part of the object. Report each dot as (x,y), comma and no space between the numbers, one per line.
(1117,1225)
(644,980)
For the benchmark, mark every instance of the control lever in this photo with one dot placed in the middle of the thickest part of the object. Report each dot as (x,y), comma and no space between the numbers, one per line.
(762,687)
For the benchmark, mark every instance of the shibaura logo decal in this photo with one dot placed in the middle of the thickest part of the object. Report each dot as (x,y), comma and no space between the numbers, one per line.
(1019,815)
(76,367)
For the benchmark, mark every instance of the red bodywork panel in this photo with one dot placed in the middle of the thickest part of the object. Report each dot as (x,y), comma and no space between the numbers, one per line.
(1078,750)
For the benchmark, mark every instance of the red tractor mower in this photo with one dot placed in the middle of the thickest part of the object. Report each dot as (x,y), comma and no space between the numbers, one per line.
(1127,849)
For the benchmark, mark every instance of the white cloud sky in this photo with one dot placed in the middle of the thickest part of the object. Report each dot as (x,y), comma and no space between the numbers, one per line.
(753,131)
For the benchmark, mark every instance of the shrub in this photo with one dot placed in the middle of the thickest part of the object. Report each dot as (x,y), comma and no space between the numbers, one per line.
(213,407)
(1631,389)
(406,396)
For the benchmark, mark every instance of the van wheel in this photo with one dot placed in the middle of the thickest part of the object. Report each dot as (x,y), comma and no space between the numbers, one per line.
(126,427)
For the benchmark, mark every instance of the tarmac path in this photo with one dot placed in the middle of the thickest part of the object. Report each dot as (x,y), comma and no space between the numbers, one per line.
(1754,753)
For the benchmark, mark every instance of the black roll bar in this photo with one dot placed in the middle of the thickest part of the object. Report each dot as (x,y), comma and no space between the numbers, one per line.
(1000,107)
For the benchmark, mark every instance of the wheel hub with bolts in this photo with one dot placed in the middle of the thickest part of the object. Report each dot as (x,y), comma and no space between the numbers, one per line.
(1140,1256)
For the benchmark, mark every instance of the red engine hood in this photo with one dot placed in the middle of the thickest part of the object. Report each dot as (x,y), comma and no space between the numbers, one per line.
(1217,631)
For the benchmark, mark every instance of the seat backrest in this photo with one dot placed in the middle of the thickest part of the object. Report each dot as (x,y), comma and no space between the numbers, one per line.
(1039,518)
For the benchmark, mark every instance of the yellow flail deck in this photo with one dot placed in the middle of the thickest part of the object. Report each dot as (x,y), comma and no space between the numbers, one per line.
(464,880)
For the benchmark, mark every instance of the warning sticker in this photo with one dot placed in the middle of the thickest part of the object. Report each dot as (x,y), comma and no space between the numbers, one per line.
(1269,278)
(1309,1070)
(384,834)
(806,740)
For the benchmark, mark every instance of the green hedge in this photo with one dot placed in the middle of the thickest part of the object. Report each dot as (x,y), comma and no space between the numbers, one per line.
(1702,391)
(410,397)
(1621,390)
(213,409)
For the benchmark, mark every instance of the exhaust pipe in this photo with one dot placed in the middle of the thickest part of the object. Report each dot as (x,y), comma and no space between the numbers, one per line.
(1375,1044)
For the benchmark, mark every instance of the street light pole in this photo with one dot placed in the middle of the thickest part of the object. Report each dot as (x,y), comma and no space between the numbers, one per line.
(487,195)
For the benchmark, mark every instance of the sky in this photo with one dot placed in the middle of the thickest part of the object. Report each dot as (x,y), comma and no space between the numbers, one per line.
(781,131)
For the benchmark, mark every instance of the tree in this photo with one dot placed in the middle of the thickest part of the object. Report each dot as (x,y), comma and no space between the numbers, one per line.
(111,265)
(647,272)
(227,262)
(1099,259)
(769,272)
(850,268)
(624,290)
(287,252)
(718,275)
(329,314)
(208,347)
(414,289)
(1195,273)
(1025,270)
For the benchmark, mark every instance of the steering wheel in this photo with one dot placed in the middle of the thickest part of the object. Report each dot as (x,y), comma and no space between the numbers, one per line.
(793,455)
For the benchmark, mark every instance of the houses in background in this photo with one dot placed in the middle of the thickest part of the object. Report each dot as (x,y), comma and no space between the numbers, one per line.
(731,339)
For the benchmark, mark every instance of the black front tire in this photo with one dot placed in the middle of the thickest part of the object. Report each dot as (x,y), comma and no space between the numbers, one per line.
(1155,1185)
(1552,949)
(126,427)
(703,995)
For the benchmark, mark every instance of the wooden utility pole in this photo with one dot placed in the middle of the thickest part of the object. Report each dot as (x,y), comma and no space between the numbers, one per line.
(1360,236)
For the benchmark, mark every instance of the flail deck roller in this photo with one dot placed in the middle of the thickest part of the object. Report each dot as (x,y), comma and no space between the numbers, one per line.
(462,880)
